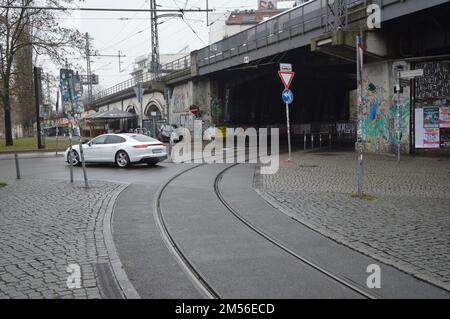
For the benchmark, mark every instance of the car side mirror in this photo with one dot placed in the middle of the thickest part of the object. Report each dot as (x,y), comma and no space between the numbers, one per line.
(89,144)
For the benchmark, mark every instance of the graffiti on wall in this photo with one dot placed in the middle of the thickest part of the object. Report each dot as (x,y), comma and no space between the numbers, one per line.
(380,114)
(436,80)
(181,99)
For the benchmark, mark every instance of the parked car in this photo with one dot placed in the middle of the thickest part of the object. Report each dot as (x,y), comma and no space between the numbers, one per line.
(121,149)
(166,132)
(180,130)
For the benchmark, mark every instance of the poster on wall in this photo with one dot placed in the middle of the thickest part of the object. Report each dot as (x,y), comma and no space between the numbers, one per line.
(431,138)
(445,138)
(430,117)
(444,117)
(419,128)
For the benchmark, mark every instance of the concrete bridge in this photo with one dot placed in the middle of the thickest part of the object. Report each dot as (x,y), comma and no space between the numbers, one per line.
(234,81)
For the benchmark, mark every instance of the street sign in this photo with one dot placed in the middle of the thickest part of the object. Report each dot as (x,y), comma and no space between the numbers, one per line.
(411,74)
(287,96)
(285,67)
(194,109)
(286,78)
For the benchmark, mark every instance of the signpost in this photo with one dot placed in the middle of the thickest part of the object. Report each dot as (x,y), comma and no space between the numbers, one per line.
(64,76)
(194,110)
(286,76)
(71,93)
(139,91)
(359,72)
(408,75)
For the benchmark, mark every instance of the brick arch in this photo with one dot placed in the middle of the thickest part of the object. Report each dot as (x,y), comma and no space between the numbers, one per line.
(153,106)
(131,109)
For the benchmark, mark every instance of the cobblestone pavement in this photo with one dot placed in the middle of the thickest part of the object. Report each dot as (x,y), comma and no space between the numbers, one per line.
(407,225)
(45,226)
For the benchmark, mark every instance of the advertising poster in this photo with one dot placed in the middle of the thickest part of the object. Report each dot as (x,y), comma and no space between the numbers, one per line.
(444,117)
(445,138)
(419,129)
(431,117)
(431,138)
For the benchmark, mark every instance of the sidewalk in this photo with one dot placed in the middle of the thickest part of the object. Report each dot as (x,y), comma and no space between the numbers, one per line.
(407,225)
(45,226)
(47,154)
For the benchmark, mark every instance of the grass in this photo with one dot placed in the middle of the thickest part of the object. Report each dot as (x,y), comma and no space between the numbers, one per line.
(30,144)
(366,197)
(3,184)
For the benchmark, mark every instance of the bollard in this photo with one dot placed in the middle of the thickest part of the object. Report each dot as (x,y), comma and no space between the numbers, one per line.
(170,148)
(16,158)
(312,141)
(320,140)
(329,139)
(304,142)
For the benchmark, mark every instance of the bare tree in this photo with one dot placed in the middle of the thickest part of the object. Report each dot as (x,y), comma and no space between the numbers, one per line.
(22,28)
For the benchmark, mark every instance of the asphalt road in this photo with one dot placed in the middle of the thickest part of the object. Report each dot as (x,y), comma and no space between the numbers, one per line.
(235,260)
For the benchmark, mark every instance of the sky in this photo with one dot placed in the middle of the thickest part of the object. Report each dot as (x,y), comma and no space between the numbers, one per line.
(129,32)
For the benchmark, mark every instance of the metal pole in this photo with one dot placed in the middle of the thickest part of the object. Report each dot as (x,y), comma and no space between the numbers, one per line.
(16,158)
(83,164)
(398,117)
(80,140)
(304,142)
(359,59)
(320,140)
(70,146)
(141,97)
(57,133)
(37,95)
(312,141)
(288,130)
(88,67)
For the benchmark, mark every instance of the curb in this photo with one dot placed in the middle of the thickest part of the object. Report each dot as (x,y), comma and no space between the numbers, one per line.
(128,290)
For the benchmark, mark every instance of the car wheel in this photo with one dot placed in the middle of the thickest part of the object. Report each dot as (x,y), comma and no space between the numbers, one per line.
(122,159)
(75,158)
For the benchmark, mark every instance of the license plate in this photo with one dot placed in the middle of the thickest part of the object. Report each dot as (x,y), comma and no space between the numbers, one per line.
(157,151)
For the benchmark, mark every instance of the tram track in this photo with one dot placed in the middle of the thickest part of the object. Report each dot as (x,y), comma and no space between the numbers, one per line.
(196,277)
(353,286)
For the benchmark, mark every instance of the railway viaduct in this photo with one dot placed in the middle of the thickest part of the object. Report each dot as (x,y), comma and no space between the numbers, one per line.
(234,82)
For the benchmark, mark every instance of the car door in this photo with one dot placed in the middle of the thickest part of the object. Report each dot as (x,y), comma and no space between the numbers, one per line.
(114,144)
(95,149)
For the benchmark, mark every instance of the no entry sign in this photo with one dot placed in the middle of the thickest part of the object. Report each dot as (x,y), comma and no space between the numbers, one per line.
(194,109)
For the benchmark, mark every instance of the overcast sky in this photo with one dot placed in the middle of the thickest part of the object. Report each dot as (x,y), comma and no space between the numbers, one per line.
(111,32)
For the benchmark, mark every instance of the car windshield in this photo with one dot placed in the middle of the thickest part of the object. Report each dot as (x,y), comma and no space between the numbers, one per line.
(167,128)
(143,139)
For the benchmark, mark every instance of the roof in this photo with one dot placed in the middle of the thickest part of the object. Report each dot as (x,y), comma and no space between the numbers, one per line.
(250,16)
(111,115)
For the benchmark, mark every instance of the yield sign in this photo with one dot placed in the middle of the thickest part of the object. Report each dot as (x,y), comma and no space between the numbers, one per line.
(286,78)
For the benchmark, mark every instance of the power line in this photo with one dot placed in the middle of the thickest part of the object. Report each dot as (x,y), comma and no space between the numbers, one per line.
(104,9)
(190,27)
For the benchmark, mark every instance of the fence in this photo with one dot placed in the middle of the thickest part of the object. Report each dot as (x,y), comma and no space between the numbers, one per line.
(174,66)
(307,17)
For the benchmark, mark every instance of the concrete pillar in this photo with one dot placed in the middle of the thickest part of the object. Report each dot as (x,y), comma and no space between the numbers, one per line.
(380,108)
